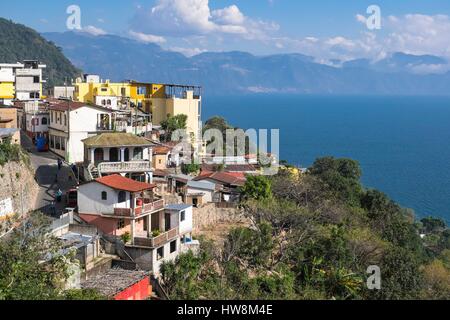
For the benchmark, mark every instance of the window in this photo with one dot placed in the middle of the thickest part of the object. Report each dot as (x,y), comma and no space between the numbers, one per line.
(173,246)
(103,102)
(122,197)
(160,253)
(104,89)
(57,143)
(142,90)
(123,91)
(44,121)
(121,224)
(104,195)
(108,102)
(183,215)
(63,144)
(65,120)
(52,142)
(51,116)
(36,79)
(137,154)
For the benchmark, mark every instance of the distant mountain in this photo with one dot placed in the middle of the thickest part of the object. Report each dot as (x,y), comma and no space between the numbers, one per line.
(118,58)
(18,43)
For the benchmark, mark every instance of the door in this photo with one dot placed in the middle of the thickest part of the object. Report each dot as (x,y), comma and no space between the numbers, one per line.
(114,155)
(167,221)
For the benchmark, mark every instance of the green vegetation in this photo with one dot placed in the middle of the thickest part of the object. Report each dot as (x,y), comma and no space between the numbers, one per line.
(314,237)
(12,152)
(31,266)
(220,124)
(257,188)
(190,168)
(172,124)
(18,43)
(126,237)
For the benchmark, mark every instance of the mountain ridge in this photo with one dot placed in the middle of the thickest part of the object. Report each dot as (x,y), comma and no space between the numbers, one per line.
(18,43)
(117,58)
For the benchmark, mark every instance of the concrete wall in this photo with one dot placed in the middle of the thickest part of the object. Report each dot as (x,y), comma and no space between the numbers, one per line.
(90,199)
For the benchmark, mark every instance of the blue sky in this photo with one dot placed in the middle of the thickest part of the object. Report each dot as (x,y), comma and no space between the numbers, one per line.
(326,29)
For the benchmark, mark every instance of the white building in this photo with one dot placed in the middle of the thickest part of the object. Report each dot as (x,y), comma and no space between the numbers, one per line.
(21,81)
(122,207)
(118,153)
(71,123)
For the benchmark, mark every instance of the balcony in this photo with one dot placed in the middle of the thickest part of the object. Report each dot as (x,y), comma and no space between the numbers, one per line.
(158,241)
(148,206)
(124,167)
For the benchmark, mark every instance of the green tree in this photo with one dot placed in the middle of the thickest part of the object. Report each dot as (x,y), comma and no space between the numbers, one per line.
(174,123)
(257,187)
(31,264)
(341,176)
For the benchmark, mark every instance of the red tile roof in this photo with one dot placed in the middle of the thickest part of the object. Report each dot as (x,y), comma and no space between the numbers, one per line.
(61,105)
(224,178)
(160,150)
(121,183)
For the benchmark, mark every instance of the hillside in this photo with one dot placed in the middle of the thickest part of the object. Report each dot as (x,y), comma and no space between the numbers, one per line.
(18,42)
(118,58)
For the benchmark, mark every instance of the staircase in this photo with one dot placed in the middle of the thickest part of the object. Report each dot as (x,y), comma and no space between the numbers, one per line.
(93,172)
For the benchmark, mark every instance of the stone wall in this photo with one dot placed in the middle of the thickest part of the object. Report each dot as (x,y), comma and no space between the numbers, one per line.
(208,215)
(18,184)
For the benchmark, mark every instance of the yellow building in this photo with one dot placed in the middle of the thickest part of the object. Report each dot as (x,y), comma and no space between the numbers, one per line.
(160,100)
(21,81)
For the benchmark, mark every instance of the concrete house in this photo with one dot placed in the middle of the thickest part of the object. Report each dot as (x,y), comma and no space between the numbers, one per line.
(117,205)
(71,123)
(118,153)
(199,193)
(21,81)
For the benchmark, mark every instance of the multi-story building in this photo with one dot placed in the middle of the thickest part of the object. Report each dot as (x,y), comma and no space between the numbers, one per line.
(160,100)
(33,118)
(7,80)
(118,153)
(21,81)
(71,123)
(129,209)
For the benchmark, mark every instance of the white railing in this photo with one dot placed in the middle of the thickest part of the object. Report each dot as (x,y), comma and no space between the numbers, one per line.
(124,167)
(28,72)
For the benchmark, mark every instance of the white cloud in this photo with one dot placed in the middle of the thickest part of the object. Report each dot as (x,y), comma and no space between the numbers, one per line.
(189,52)
(181,18)
(228,16)
(94,31)
(146,38)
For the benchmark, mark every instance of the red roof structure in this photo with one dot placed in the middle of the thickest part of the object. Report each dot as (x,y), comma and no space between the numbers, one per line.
(121,183)
(224,178)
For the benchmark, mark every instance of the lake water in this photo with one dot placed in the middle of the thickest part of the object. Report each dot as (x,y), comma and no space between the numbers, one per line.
(402,143)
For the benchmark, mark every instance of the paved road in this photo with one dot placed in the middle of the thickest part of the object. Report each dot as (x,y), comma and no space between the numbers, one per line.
(48,177)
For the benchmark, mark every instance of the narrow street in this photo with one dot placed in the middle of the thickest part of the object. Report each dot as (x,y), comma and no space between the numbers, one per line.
(49,178)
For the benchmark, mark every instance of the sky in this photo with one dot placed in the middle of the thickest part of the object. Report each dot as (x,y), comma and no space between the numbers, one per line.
(324,29)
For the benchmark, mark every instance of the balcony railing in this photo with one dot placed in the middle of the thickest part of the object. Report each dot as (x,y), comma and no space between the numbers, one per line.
(124,167)
(157,241)
(140,210)
(149,207)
